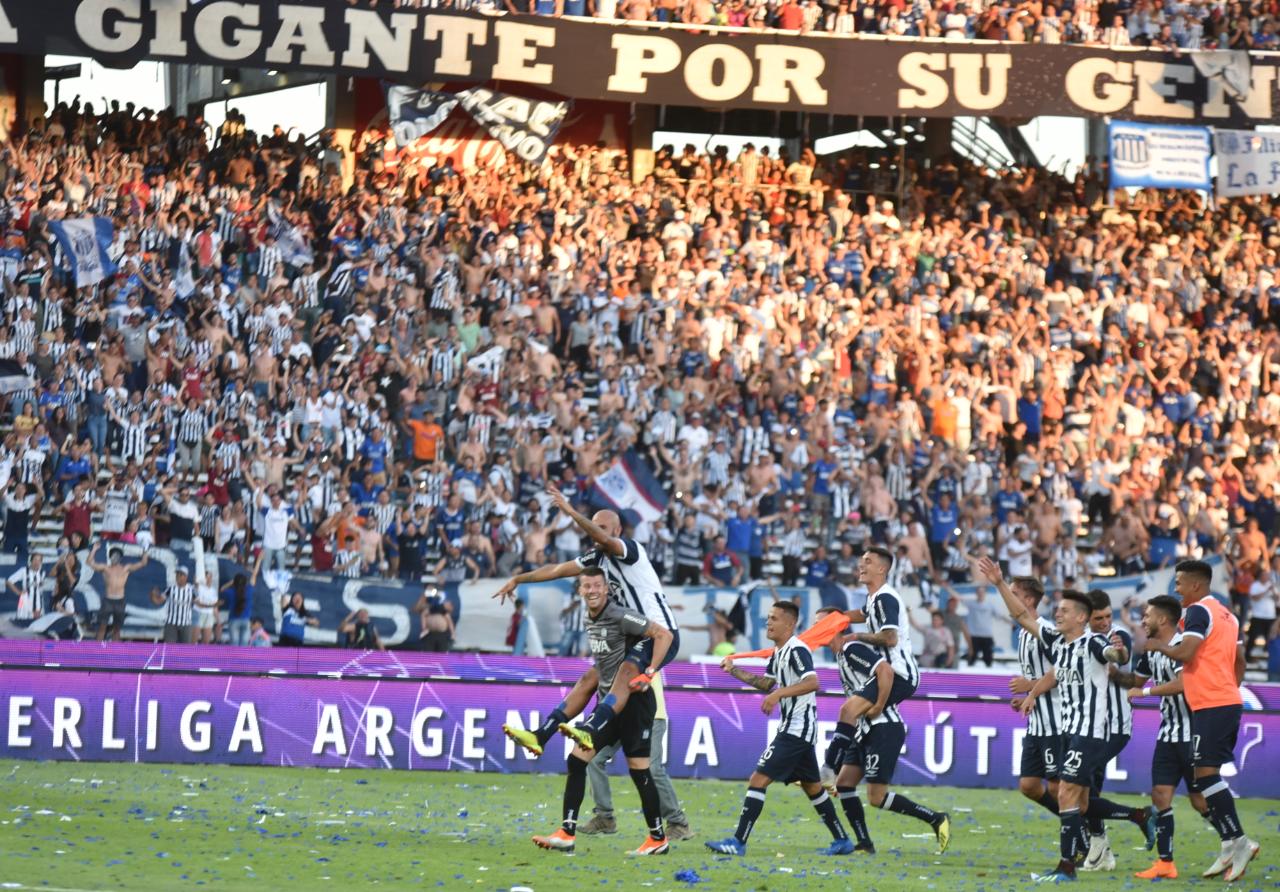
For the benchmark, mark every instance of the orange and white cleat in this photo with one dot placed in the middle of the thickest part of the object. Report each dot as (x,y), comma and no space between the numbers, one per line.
(1160,870)
(558,841)
(653,846)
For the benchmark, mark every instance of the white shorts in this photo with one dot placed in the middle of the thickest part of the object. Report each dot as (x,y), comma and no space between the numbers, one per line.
(204,617)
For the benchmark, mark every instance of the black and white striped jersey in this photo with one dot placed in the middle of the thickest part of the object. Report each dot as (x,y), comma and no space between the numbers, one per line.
(633,583)
(178,602)
(29,580)
(1119,709)
(857,665)
(1034,661)
(886,610)
(789,665)
(1175,714)
(1083,683)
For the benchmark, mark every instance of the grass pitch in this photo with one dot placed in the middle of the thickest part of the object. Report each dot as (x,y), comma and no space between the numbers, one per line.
(79,826)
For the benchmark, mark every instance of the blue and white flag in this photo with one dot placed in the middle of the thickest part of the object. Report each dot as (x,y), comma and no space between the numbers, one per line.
(629,485)
(1166,156)
(85,242)
(524,126)
(415,113)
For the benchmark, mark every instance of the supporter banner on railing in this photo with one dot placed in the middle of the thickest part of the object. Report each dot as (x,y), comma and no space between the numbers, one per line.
(482,621)
(1162,155)
(581,59)
(457,726)
(1248,162)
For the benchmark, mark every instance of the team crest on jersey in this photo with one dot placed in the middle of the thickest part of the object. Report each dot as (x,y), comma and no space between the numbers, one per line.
(615,592)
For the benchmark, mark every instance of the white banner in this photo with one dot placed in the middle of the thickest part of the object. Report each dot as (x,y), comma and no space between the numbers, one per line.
(1165,156)
(1248,162)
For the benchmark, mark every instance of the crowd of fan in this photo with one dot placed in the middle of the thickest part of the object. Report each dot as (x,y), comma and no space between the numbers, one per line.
(382,378)
(1178,24)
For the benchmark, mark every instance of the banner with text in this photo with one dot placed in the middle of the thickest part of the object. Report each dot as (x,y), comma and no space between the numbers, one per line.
(445,725)
(481,620)
(775,71)
(1159,155)
(1248,162)
(414,113)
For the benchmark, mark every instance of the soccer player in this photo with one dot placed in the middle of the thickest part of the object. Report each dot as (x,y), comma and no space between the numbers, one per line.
(1079,672)
(1042,746)
(789,681)
(1157,675)
(877,741)
(633,584)
(885,615)
(612,633)
(1212,658)
(1119,730)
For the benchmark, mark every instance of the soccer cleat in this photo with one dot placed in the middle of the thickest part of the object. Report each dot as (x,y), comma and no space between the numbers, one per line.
(730,846)
(1243,851)
(558,841)
(1223,861)
(1148,826)
(641,682)
(526,739)
(1058,876)
(865,848)
(1108,860)
(1098,848)
(652,846)
(838,847)
(1160,870)
(605,824)
(943,831)
(580,736)
(677,832)
(827,776)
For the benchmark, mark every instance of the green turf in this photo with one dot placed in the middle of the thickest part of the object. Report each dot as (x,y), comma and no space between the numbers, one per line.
(87,826)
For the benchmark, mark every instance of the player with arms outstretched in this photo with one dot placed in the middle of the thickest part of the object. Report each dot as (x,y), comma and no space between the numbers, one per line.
(634,585)
(612,632)
(791,682)
(1079,673)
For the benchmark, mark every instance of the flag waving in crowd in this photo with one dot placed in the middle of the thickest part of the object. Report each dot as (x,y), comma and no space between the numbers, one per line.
(86,244)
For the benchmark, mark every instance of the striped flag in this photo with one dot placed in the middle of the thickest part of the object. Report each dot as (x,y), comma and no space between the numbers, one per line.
(629,485)
(85,242)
